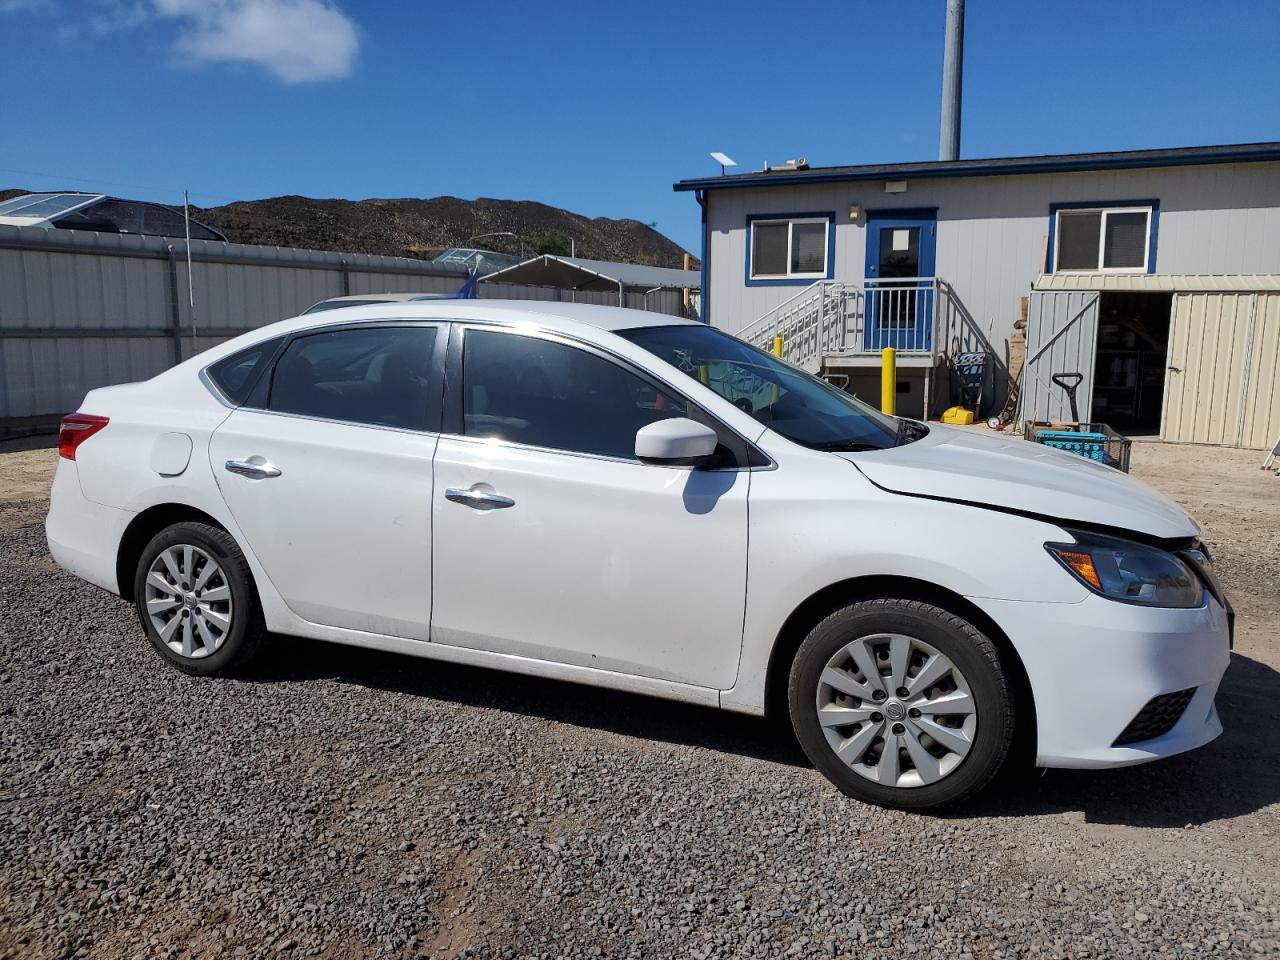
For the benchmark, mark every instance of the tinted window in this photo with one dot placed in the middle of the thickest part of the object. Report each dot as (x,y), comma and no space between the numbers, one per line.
(200,232)
(235,375)
(162,222)
(799,406)
(547,394)
(377,376)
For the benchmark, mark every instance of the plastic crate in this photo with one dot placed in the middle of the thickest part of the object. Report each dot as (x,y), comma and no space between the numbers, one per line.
(1093,441)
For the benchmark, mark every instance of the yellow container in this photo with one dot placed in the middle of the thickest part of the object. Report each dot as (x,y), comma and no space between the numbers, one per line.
(958,416)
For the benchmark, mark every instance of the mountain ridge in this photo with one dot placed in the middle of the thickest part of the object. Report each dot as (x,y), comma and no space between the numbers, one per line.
(422,227)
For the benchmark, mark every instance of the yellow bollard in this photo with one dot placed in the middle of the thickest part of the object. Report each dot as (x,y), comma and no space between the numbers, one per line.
(888,381)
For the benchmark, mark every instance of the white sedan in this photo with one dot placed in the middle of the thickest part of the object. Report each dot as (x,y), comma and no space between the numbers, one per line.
(638,502)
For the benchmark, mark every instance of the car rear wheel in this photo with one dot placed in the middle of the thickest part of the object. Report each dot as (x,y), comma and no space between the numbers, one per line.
(195,597)
(901,703)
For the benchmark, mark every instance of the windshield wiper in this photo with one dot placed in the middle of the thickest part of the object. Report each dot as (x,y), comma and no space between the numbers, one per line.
(845,446)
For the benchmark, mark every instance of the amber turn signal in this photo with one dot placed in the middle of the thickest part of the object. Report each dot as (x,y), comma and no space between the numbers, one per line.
(1081,564)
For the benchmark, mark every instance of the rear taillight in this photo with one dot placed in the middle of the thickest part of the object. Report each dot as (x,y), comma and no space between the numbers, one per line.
(76,429)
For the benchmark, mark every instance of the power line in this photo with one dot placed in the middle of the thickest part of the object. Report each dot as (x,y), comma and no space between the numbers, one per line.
(168,191)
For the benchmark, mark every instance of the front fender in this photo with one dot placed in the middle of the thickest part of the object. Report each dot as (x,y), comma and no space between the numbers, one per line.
(827,524)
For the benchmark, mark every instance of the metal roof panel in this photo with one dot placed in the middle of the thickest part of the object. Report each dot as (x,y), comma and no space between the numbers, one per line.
(1155,282)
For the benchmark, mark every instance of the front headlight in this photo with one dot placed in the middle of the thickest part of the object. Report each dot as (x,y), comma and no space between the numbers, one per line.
(1129,572)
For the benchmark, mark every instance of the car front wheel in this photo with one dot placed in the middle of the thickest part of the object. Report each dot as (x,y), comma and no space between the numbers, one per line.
(196,600)
(901,703)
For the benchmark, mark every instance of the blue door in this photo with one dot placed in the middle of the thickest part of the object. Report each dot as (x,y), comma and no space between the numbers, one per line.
(899,279)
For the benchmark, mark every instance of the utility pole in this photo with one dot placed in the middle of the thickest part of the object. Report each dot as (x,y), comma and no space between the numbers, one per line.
(191,283)
(952,80)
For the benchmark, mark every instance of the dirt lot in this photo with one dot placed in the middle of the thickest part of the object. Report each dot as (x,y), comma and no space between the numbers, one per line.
(344,804)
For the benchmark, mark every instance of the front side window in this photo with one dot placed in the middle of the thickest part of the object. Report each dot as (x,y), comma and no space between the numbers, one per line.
(548,394)
(379,376)
(1116,239)
(789,249)
(801,407)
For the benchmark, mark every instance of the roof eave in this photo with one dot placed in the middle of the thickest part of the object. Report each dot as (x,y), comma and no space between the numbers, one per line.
(953,169)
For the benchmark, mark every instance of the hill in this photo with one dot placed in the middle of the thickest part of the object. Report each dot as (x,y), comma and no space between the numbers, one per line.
(422,228)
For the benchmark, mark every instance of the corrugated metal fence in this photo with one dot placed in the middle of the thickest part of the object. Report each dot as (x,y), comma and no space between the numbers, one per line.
(82,310)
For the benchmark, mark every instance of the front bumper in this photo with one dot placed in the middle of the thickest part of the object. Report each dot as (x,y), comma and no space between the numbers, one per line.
(1094,666)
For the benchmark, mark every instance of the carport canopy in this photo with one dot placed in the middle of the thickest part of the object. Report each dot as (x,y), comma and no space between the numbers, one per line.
(575,273)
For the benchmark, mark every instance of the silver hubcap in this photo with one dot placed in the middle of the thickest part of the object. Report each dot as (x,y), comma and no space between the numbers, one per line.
(188,601)
(896,710)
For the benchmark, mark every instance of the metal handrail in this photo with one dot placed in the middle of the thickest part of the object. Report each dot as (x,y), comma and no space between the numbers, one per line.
(831,317)
(746,332)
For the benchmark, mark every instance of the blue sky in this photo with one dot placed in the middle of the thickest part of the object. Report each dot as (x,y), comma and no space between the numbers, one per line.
(594,107)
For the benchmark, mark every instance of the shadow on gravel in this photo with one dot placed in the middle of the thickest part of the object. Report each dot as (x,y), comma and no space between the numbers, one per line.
(1235,775)
(289,660)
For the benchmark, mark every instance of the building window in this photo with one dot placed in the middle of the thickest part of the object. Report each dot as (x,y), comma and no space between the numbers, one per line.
(1089,239)
(790,249)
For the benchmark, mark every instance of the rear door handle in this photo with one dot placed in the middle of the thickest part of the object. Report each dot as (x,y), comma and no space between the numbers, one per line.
(478,498)
(254,469)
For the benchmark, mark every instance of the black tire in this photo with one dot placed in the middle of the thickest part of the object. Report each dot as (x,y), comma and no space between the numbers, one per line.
(969,650)
(244,638)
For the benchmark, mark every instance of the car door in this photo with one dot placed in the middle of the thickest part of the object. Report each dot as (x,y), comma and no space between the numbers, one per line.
(552,541)
(327,471)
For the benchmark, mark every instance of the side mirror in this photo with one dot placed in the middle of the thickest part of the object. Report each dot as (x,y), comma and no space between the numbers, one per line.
(677,441)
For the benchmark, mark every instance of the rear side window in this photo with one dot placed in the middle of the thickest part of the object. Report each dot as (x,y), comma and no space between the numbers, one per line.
(379,376)
(547,394)
(235,375)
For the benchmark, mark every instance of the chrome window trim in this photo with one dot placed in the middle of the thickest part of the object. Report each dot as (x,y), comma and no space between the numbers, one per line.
(340,423)
(519,327)
(213,388)
(337,327)
(631,461)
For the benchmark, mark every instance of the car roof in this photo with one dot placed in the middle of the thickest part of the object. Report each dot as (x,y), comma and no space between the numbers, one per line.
(564,317)
(381,297)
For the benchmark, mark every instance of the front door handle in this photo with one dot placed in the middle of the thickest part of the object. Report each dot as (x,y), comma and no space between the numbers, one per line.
(478,498)
(253,468)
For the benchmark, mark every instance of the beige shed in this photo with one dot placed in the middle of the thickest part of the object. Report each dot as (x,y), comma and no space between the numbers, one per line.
(1194,358)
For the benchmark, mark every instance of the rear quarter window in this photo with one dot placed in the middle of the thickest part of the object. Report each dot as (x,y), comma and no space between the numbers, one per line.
(236,375)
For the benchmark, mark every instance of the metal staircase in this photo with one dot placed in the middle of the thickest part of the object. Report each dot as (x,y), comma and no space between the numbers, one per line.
(828,319)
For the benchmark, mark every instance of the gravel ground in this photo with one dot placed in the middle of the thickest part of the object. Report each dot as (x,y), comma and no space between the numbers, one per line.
(339,803)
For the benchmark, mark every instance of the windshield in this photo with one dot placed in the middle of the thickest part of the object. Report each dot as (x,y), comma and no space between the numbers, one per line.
(801,407)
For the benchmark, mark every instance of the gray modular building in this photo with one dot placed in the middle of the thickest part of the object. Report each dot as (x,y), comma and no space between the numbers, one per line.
(1152,273)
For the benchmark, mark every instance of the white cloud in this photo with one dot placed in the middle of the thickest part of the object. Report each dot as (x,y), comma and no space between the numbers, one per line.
(17,6)
(298,41)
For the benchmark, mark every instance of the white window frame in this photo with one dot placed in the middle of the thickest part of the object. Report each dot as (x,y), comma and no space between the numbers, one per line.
(791,222)
(1102,238)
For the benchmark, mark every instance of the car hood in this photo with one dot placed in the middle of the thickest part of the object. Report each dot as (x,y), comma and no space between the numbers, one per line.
(1010,473)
